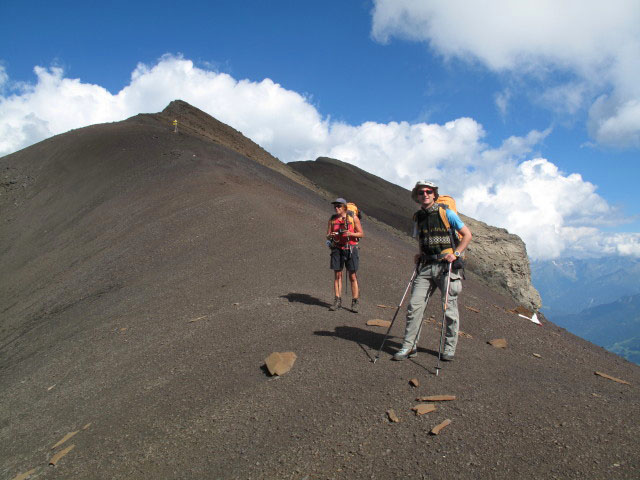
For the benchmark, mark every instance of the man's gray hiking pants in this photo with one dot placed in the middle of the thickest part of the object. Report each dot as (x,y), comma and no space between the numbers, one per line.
(433,275)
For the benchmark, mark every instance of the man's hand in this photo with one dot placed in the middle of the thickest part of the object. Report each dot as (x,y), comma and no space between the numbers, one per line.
(450,257)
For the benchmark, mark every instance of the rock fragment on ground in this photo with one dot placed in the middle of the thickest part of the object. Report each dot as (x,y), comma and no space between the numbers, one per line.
(609,377)
(520,310)
(376,322)
(56,458)
(392,416)
(498,342)
(64,439)
(436,430)
(436,398)
(279,363)
(424,408)
(414,382)
(25,475)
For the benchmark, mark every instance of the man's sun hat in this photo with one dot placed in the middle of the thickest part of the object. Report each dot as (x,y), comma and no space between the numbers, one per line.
(420,184)
(339,200)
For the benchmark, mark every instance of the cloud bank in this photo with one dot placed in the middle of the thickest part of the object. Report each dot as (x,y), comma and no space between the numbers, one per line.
(582,53)
(507,186)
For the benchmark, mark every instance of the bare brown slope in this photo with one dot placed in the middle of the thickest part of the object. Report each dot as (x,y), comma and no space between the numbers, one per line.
(498,258)
(197,123)
(146,275)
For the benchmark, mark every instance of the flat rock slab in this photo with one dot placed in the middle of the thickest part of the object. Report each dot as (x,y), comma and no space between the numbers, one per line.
(436,430)
(392,416)
(56,458)
(424,408)
(436,398)
(376,322)
(498,342)
(64,439)
(520,310)
(609,377)
(25,475)
(279,363)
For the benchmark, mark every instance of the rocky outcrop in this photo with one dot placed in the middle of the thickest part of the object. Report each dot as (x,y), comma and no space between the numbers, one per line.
(500,260)
(497,257)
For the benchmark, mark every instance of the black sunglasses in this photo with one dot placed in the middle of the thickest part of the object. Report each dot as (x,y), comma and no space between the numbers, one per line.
(425,192)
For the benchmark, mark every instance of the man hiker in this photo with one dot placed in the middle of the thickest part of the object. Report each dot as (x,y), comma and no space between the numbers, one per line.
(343,230)
(437,250)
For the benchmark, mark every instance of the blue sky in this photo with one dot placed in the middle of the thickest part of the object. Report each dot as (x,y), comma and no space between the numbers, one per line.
(528,112)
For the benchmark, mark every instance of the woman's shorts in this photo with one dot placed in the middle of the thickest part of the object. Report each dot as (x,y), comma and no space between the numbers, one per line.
(344,256)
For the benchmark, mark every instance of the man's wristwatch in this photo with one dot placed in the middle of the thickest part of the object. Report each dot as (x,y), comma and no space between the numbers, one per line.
(456,253)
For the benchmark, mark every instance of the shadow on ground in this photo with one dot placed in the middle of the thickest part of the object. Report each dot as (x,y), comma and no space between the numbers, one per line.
(368,340)
(305,298)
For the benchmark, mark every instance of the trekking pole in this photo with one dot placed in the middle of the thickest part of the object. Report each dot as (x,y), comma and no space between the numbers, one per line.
(444,316)
(415,272)
(347,276)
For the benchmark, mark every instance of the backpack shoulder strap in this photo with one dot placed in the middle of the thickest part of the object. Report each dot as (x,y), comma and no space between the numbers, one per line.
(443,215)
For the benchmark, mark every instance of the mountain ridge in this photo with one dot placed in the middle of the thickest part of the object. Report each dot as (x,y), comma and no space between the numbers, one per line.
(148,274)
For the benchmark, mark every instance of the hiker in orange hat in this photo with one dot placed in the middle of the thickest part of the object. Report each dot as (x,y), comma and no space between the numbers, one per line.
(343,233)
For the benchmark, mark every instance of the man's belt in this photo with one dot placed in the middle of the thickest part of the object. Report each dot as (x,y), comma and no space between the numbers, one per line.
(432,258)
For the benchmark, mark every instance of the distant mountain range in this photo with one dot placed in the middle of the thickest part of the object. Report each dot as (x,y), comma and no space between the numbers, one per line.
(596,299)
(571,285)
(614,326)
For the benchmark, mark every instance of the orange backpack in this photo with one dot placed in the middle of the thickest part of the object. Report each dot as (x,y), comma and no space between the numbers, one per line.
(445,201)
(352,211)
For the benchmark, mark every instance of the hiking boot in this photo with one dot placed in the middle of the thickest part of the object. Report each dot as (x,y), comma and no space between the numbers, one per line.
(405,353)
(337,303)
(355,305)
(447,357)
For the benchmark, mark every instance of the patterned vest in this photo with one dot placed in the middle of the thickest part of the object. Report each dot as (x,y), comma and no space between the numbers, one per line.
(433,235)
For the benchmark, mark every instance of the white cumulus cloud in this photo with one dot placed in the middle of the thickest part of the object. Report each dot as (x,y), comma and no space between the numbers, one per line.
(508,186)
(595,43)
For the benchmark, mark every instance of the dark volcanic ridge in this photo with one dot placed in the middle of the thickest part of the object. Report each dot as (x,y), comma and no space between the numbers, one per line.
(147,274)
